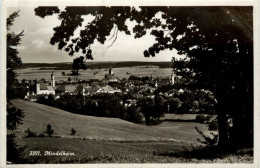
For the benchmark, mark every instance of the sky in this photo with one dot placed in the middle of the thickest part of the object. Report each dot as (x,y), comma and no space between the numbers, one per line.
(36,48)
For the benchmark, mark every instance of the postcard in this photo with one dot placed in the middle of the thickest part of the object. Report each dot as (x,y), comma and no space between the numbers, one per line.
(130,84)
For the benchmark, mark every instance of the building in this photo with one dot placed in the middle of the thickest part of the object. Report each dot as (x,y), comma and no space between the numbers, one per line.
(42,88)
(109,89)
(110,77)
(52,80)
(71,89)
(172,78)
(90,90)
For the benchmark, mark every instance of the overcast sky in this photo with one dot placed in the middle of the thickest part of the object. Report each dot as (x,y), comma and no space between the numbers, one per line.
(36,48)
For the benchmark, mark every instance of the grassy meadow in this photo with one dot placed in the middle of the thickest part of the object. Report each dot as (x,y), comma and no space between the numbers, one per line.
(112,140)
(100,136)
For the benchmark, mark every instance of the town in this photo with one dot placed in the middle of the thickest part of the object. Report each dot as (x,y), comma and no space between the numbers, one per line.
(138,99)
(139,86)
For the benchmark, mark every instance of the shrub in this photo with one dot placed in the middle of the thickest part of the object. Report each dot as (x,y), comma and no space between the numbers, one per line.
(174,105)
(49,130)
(73,131)
(133,115)
(207,140)
(41,135)
(29,133)
(213,125)
(202,118)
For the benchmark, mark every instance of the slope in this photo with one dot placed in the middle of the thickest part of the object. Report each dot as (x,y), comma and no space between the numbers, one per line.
(37,116)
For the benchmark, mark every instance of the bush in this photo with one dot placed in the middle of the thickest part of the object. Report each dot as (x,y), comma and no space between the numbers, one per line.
(202,118)
(207,140)
(73,131)
(133,115)
(174,105)
(213,125)
(49,130)
(29,133)
(41,135)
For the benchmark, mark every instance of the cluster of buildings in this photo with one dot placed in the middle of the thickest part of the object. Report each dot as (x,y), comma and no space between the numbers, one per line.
(110,84)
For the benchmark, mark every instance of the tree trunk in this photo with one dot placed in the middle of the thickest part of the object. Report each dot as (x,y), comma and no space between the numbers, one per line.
(222,128)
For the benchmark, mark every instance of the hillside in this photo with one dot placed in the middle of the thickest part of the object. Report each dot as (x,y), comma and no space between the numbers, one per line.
(110,140)
(37,116)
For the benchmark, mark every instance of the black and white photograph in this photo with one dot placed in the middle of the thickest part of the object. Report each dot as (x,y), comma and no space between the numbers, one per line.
(143,83)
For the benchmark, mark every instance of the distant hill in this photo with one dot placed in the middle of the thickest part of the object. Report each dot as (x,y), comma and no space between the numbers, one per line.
(94,65)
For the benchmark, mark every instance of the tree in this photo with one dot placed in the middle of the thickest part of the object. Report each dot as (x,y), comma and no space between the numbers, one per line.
(73,131)
(133,115)
(152,109)
(217,42)
(174,105)
(78,63)
(49,130)
(13,60)
(15,152)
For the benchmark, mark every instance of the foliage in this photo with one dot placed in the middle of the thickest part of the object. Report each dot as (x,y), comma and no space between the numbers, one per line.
(213,125)
(13,60)
(174,105)
(78,63)
(15,153)
(14,117)
(137,78)
(73,131)
(152,109)
(190,101)
(102,105)
(133,115)
(49,131)
(207,140)
(202,118)
(29,133)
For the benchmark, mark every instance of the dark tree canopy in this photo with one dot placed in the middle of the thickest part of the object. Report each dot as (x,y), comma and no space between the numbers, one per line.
(12,59)
(217,42)
(14,115)
(78,63)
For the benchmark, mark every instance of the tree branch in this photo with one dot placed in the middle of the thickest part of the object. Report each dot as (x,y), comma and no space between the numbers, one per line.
(114,39)
(113,33)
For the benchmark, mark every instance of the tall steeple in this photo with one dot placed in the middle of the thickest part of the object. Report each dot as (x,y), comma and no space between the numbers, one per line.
(172,78)
(110,71)
(52,80)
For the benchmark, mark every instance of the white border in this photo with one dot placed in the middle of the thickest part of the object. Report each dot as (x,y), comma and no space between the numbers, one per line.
(28,3)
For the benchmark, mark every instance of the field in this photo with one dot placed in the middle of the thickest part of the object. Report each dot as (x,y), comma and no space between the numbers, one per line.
(120,72)
(37,116)
(100,135)
(109,140)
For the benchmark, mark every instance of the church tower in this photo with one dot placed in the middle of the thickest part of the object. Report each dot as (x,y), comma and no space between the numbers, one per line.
(110,71)
(172,78)
(52,80)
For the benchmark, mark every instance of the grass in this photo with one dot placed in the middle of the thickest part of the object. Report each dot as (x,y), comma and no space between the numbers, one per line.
(179,117)
(37,116)
(112,140)
(92,151)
